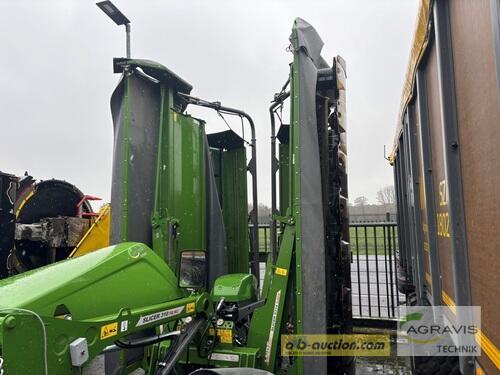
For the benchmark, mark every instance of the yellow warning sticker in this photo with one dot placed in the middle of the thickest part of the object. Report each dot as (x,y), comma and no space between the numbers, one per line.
(281,271)
(225,335)
(190,307)
(109,330)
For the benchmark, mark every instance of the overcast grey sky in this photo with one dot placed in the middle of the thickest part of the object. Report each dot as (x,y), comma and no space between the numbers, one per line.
(56,77)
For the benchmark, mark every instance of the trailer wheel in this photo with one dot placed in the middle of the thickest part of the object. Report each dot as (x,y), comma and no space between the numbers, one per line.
(432,365)
(436,366)
(230,371)
(348,368)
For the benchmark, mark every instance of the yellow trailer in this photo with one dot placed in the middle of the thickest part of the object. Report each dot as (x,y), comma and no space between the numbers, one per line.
(446,160)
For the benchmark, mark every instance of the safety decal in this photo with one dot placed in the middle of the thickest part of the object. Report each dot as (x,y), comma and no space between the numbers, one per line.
(225,335)
(190,307)
(109,330)
(281,271)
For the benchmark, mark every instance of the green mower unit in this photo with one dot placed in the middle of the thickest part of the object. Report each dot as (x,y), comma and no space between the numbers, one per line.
(180,290)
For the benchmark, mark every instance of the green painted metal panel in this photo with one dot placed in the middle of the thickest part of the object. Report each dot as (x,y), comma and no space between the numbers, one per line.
(267,321)
(22,341)
(295,196)
(235,209)
(135,105)
(179,221)
(126,157)
(101,291)
(159,220)
(238,287)
(284,166)
(186,193)
(93,285)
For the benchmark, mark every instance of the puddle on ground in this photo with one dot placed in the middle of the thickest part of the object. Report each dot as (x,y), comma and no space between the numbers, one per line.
(392,365)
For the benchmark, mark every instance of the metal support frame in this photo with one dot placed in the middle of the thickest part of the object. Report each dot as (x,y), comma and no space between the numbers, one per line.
(408,188)
(414,198)
(405,248)
(252,168)
(127,32)
(460,259)
(495,26)
(426,152)
(267,321)
(278,100)
(398,192)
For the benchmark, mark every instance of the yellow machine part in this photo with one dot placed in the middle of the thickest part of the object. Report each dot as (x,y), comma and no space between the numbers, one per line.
(97,237)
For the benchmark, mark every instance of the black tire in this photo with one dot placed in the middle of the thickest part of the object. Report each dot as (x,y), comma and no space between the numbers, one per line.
(404,284)
(230,371)
(432,365)
(436,366)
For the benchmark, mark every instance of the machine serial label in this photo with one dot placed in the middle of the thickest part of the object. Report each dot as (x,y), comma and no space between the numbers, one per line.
(269,344)
(281,271)
(225,357)
(109,330)
(159,316)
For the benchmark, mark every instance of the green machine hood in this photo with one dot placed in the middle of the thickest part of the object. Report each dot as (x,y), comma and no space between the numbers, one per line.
(128,275)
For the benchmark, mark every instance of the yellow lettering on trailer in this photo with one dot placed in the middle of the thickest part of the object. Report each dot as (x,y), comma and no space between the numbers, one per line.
(443,193)
(443,224)
(426,246)
(443,218)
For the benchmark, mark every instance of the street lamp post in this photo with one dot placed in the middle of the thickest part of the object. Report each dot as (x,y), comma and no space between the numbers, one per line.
(118,17)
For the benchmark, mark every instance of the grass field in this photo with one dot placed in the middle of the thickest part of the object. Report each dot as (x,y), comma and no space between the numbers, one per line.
(366,240)
(264,239)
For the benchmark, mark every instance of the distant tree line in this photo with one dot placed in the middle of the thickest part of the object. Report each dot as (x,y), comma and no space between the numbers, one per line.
(264,213)
(359,211)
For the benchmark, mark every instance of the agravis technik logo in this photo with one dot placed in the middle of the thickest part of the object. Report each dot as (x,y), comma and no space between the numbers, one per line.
(437,331)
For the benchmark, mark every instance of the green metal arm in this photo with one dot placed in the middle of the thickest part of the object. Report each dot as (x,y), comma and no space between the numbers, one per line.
(46,351)
(95,299)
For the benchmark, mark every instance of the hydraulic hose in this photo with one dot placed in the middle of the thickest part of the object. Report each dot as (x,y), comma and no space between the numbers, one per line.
(145,341)
(166,365)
